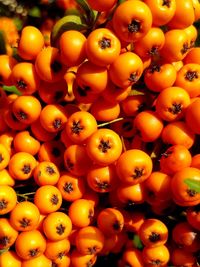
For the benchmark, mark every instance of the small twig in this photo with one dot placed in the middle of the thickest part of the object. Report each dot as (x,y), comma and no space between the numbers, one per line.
(123,144)
(25,195)
(109,122)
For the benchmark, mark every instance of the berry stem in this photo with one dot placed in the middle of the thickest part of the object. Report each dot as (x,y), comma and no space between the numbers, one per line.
(109,122)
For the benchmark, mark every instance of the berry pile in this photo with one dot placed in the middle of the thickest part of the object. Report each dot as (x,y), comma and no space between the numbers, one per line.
(99,138)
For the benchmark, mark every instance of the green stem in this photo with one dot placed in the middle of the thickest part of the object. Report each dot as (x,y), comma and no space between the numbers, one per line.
(25,195)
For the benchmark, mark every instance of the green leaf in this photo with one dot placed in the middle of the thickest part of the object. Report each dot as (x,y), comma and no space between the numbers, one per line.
(89,12)
(137,242)
(3,250)
(35,12)
(11,89)
(69,22)
(193,184)
(2,43)
(136,92)
(121,1)
(18,23)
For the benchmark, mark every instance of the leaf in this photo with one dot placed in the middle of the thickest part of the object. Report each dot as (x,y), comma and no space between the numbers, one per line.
(18,23)
(90,13)
(69,22)
(193,184)
(3,250)
(11,89)
(137,242)
(2,43)
(136,92)
(35,12)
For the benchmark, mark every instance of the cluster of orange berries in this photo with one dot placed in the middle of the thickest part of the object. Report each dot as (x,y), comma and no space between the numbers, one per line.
(77,176)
